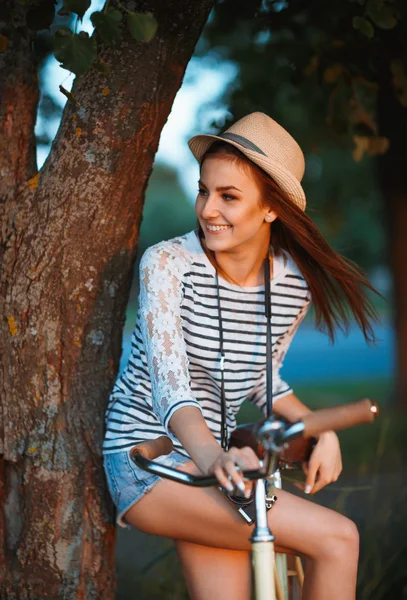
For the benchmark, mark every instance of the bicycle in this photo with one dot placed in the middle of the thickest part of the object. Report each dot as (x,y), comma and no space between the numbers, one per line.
(273,434)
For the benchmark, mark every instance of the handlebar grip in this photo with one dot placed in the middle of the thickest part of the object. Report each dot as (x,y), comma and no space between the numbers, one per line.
(340,417)
(152,449)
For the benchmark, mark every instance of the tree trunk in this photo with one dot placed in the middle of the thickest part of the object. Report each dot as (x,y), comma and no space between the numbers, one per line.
(68,242)
(392,117)
(18,105)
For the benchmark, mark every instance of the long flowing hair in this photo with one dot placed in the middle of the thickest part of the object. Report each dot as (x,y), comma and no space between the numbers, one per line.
(337,285)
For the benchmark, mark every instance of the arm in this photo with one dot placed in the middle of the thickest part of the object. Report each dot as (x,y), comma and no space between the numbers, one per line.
(325,464)
(172,398)
(161,328)
(192,431)
(290,407)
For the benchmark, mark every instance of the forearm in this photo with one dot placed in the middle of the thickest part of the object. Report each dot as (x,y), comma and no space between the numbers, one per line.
(290,407)
(191,429)
(293,410)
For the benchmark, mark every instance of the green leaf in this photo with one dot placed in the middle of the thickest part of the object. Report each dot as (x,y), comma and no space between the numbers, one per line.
(108,25)
(383,13)
(142,26)
(41,16)
(75,51)
(364,26)
(78,7)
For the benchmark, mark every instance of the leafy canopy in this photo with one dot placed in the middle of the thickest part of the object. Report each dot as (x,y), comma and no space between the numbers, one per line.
(75,50)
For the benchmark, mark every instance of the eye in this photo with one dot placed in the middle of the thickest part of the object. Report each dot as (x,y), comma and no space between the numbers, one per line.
(228,197)
(201,191)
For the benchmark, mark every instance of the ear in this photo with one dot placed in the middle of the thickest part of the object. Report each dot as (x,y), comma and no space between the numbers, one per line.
(270,216)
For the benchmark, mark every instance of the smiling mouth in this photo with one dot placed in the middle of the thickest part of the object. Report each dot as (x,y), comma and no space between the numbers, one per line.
(218,227)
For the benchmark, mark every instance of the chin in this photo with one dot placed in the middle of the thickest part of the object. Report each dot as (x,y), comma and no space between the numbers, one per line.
(219,246)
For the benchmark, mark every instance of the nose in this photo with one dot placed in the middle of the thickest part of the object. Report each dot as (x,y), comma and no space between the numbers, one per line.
(209,207)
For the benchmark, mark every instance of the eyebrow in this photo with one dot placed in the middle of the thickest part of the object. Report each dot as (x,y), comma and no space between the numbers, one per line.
(222,188)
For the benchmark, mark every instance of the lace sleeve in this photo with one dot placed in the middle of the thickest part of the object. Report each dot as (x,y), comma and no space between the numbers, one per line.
(280,387)
(160,311)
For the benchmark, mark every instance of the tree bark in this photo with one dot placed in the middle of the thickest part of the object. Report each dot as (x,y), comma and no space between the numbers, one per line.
(18,103)
(392,118)
(68,242)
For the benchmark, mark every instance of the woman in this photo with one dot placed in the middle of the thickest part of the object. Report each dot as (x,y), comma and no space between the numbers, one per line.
(250,204)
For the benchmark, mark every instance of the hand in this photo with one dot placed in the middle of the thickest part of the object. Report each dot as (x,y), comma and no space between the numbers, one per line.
(325,463)
(224,468)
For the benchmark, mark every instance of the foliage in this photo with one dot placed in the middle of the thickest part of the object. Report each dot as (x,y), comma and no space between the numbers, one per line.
(167,212)
(75,50)
(345,48)
(309,65)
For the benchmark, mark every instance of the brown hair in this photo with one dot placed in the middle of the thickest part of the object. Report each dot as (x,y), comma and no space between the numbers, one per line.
(336,283)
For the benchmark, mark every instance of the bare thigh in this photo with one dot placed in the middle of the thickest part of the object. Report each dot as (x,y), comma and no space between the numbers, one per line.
(215,572)
(204,517)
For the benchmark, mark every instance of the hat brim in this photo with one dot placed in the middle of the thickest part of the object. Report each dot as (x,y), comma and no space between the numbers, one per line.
(199,144)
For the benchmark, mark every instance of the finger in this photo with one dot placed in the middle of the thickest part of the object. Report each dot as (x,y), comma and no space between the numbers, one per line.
(243,459)
(248,488)
(322,481)
(313,467)
(337,473)
(223,479)
(234,476)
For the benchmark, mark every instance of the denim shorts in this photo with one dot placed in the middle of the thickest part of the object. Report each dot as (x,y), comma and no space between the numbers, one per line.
(128,483)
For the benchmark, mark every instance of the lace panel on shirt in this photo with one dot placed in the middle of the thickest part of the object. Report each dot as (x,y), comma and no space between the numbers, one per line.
(161,327)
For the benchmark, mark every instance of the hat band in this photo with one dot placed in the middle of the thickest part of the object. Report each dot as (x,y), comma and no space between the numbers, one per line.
(239,139)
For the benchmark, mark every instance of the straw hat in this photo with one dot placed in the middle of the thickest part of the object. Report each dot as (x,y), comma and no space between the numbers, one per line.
(268,145)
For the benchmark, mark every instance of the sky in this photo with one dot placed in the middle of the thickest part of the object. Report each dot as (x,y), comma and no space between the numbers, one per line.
(204,82)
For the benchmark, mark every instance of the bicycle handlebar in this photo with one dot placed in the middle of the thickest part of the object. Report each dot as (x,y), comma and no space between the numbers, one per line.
(152,449)
(181,476)
(269,433)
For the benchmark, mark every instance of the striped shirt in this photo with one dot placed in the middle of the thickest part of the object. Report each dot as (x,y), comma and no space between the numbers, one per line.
(174,360)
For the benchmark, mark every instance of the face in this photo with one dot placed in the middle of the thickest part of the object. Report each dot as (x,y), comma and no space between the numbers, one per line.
(230,197)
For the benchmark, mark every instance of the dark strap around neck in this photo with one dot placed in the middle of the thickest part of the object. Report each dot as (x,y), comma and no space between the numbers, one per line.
(224,429)
(269,369)
(269,364)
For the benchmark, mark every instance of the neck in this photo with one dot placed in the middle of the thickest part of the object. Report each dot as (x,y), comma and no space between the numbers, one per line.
(245,267)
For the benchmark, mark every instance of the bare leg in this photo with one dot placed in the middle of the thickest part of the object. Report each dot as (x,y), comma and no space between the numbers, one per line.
(204,517)
(226,572)
(328,541)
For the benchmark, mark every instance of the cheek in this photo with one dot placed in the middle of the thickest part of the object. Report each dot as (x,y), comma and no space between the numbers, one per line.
(246,218)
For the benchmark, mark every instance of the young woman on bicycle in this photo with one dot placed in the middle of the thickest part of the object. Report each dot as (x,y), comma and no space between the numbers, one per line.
(250,204)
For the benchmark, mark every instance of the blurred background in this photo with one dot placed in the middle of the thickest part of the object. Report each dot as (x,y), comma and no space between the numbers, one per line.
(239,66)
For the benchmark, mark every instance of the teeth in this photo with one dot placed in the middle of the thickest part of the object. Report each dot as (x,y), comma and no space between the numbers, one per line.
(217,227)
